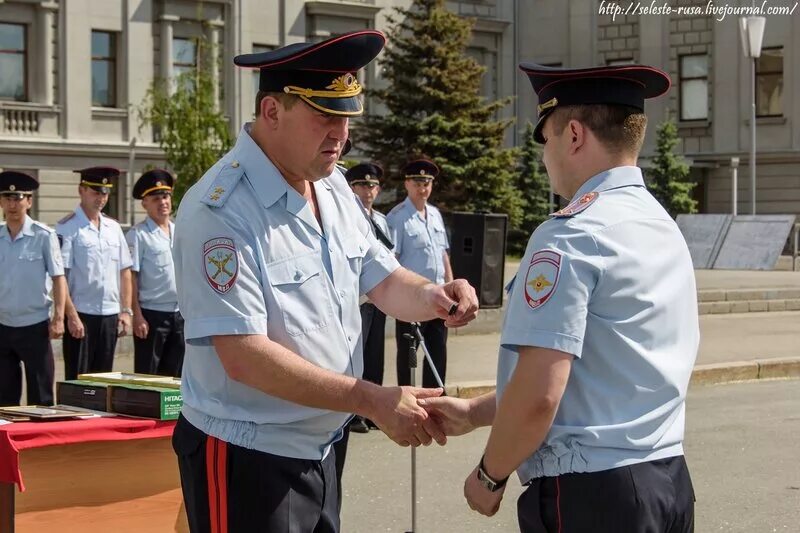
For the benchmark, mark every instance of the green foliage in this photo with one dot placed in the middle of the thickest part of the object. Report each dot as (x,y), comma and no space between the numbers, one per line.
(669,176)
(187,124)
(534,187)
(433,108)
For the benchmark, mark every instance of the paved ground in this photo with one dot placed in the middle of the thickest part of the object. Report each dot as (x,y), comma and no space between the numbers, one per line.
(741,445)
(724,338)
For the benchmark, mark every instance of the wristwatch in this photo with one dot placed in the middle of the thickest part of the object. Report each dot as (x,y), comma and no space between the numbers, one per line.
(127,310)
(492,485)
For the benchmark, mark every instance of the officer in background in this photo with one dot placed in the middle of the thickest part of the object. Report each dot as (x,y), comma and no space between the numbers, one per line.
(421,246)
(600,334)
(364,179)
(157,325)
(30,263)
(272,252)
(98,269)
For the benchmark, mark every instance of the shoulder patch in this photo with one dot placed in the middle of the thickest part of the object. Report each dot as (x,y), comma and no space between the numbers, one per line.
(66,218)
(577,206)
(542,277)
(223,185)
(221,263)
(45,227)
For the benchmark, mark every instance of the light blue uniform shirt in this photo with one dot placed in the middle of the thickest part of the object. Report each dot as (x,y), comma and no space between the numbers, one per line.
(27,263)
(613,285)
(419,243)
(94,258)
(151,253)
(251,259)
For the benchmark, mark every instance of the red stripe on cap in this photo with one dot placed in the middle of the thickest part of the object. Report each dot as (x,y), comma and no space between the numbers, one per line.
(323,45)
(600,71)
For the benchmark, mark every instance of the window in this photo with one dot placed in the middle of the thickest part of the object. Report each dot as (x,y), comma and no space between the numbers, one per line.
(104,69)
(694,87)
(769,83)
(13,62)
(184,55)
(257,49)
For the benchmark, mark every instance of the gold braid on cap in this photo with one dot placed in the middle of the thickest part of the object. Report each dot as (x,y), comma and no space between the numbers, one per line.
(345,86)
(157,188)
(93,184)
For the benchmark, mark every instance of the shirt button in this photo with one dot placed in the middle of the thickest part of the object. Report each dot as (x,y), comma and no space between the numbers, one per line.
(349,338)
(298,275)
(341,293)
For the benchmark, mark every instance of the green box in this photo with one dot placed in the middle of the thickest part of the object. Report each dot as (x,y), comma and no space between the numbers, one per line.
(146,402)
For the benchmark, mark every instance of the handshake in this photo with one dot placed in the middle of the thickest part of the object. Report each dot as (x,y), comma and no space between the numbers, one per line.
(413,416)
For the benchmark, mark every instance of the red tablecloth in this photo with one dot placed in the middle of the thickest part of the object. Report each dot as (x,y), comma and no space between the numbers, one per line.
(24,435)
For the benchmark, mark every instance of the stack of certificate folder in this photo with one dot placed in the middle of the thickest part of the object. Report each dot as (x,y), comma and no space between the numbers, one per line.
(140,395)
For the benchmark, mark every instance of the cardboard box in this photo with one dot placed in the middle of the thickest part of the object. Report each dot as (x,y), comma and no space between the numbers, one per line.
(146,402)
(81,393)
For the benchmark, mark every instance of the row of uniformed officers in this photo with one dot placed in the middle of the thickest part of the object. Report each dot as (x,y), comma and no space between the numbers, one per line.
(87,282)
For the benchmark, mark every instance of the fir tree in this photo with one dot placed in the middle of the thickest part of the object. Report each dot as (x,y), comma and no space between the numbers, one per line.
(669,174)
(534,188)
(433,108)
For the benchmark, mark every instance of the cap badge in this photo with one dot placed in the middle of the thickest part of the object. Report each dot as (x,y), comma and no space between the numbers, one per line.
(12,188)
(547,105)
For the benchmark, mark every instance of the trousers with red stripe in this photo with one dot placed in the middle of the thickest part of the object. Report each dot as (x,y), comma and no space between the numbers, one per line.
(228,488)
(651,497)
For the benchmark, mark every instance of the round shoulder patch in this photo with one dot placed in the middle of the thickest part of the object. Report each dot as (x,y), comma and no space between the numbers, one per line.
(542,277)
(221,263)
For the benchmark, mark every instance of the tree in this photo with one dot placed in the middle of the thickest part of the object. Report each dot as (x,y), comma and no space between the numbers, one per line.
(669,176)
(434,109)
(187,123)
(534,188)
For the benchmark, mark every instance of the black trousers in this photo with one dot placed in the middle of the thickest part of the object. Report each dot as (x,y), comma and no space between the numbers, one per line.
(28,345)
(373,333)
(340,449)
(653,497)
(95,351)
(435,334)
(230,488)
(162,351)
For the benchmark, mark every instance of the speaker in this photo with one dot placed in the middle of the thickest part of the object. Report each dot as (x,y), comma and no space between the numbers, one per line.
(478,253)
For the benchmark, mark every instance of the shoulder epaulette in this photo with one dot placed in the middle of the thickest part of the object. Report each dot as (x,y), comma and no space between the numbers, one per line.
(223,185)
(577,206)
(66,218)
(43,226)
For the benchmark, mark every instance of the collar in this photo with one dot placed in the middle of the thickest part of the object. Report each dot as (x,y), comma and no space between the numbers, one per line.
(27,229)
(413,209)
(613,178)
(263,175)
(153,227)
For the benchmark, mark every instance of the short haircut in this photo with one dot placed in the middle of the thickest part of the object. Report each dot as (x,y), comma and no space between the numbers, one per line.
(619,128)
(287,100)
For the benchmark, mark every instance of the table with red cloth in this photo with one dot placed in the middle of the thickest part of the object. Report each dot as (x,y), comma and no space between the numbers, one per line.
(111,472)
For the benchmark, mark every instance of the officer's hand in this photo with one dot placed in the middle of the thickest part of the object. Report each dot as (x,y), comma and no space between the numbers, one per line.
(140,326)
(56,328)
(123,324)
(452,415)
(443,297)
(479,498)
(75,326)
(396,413)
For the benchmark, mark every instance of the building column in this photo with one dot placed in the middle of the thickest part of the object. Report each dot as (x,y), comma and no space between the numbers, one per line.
(167,33)
(214,27)
(45,16)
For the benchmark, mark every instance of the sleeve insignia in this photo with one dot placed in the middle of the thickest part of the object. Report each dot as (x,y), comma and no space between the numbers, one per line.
(542,277)
(221,263)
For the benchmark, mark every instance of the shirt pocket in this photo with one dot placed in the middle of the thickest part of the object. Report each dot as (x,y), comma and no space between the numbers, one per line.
(416,238)
(440,237)
(300,292)
(355,249)
(85,250)
(160,258)
(111,251)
